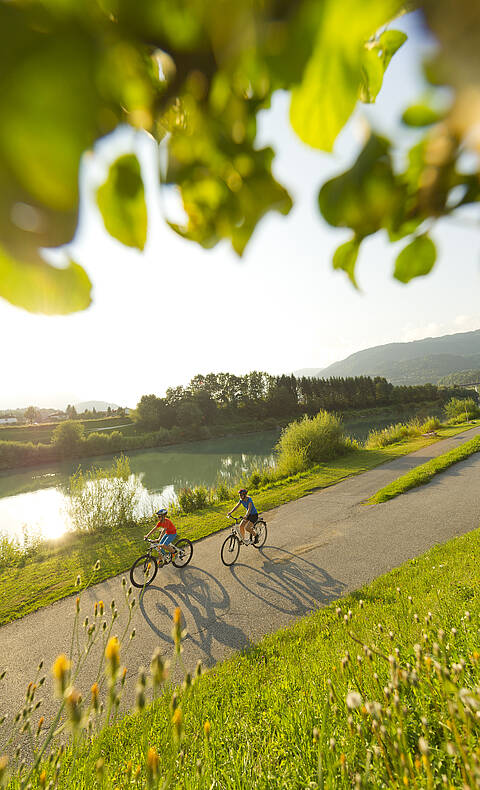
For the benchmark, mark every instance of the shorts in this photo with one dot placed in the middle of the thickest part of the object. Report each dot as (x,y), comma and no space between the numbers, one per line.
(168,539)
(253,517)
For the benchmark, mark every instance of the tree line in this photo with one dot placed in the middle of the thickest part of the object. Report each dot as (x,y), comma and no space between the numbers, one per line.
(220,398)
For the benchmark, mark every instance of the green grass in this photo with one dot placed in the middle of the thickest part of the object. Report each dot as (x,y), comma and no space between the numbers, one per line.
(277,714)
(424,473)
(51,574)
(43,432)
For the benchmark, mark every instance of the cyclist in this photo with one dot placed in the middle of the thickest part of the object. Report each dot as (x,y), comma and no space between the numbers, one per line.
(169,531)
(251,516)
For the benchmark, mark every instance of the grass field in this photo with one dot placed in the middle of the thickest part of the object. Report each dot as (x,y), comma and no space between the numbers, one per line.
(43,433)
(424,473)
(51,574)
(379,690)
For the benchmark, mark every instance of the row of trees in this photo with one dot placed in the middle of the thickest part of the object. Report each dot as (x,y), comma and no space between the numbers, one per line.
(223,397)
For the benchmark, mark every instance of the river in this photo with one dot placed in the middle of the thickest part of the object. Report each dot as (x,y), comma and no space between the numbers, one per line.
(33,499)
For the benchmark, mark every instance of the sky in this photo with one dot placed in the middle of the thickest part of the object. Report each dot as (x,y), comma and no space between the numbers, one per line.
(175,310)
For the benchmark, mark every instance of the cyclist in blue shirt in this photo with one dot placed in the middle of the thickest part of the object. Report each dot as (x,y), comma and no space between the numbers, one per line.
(251,516)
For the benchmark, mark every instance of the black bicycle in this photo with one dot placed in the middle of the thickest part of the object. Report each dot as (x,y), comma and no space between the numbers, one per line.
(231,544)
(144,570)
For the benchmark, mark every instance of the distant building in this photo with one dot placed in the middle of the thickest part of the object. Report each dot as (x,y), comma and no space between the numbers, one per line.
(8,419)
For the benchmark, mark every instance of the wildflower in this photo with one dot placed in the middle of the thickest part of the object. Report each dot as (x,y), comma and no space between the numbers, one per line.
(78,581)
(3,770)
(128,770)
(42,779)
(101,608)
(40,725)
(177,629)
(73,699)
(95,692)
(96,567)
(61,671)
(152,762)
(354,700)
(158,668)
(138,771)
(207,729)
(112,654)
(100,769)
(177,720)
(332,743)
(315,734)
(423,746)
(77,604)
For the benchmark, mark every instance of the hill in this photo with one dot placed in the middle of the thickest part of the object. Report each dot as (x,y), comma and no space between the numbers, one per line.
(98,405)
(418,362)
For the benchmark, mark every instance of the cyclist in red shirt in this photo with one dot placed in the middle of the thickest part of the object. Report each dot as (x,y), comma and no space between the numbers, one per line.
(169,532)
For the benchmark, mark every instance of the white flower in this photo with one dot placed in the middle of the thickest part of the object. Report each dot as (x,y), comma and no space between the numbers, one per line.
(354,700)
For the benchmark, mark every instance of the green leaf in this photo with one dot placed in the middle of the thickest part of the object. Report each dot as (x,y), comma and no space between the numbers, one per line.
(121,200)
(365,197)
(345,258)
(421,115)
(327,95)
(42,288)
(376,56)
(415,260)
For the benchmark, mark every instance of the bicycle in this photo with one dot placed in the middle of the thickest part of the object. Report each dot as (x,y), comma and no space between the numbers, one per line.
(144,570)
(231,544)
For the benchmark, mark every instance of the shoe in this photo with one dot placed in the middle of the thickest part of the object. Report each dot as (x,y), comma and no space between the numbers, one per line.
(255,539)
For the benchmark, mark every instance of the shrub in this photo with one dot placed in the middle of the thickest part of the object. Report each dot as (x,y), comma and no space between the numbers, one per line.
(309,441)
(460,409)
(430,424)
(103,499)
(394,433)
(192,499)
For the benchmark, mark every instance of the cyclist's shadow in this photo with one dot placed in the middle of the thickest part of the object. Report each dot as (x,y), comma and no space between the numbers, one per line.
(287,582)
(204,602)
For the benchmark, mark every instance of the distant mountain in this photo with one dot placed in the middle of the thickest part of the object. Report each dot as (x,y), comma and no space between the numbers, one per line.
(98,405)
(418,362)
(307,372)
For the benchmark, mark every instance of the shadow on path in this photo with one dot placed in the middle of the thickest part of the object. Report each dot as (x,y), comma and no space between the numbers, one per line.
(204,602)
(287,582)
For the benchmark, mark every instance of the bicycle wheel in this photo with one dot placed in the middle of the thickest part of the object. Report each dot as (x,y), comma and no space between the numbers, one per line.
(230,549)
(261,530)
(143,571)
(184,553)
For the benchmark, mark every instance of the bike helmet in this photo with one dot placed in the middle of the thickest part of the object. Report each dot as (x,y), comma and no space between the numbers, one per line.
(161,512)
(242,491)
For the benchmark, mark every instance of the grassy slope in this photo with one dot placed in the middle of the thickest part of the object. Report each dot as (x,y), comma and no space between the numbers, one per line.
(424,473)
(50,577)
(262,705)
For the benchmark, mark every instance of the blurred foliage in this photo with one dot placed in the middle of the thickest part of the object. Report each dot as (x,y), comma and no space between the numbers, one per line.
(194,74)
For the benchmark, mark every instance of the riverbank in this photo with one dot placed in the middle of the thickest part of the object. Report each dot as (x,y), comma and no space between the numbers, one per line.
(50,575)
(32,450)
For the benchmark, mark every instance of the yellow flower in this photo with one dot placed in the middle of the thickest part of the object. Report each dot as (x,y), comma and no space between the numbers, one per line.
(42,778)
(152,761)
(112,650)
(60,671)
(177,720)
(207,727)
(177,616)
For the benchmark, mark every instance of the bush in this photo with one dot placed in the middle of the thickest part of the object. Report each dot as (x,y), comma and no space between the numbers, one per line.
(103,499)
(430,424)
(461,409)
(395,433)
(310,441)
(192,499)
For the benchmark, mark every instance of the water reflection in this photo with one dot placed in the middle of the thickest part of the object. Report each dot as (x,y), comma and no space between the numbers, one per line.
(35,498)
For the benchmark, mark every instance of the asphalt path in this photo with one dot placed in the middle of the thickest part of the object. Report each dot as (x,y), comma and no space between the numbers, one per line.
(319,548)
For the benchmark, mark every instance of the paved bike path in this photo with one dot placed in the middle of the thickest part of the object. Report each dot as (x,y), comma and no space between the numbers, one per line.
(318,549)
